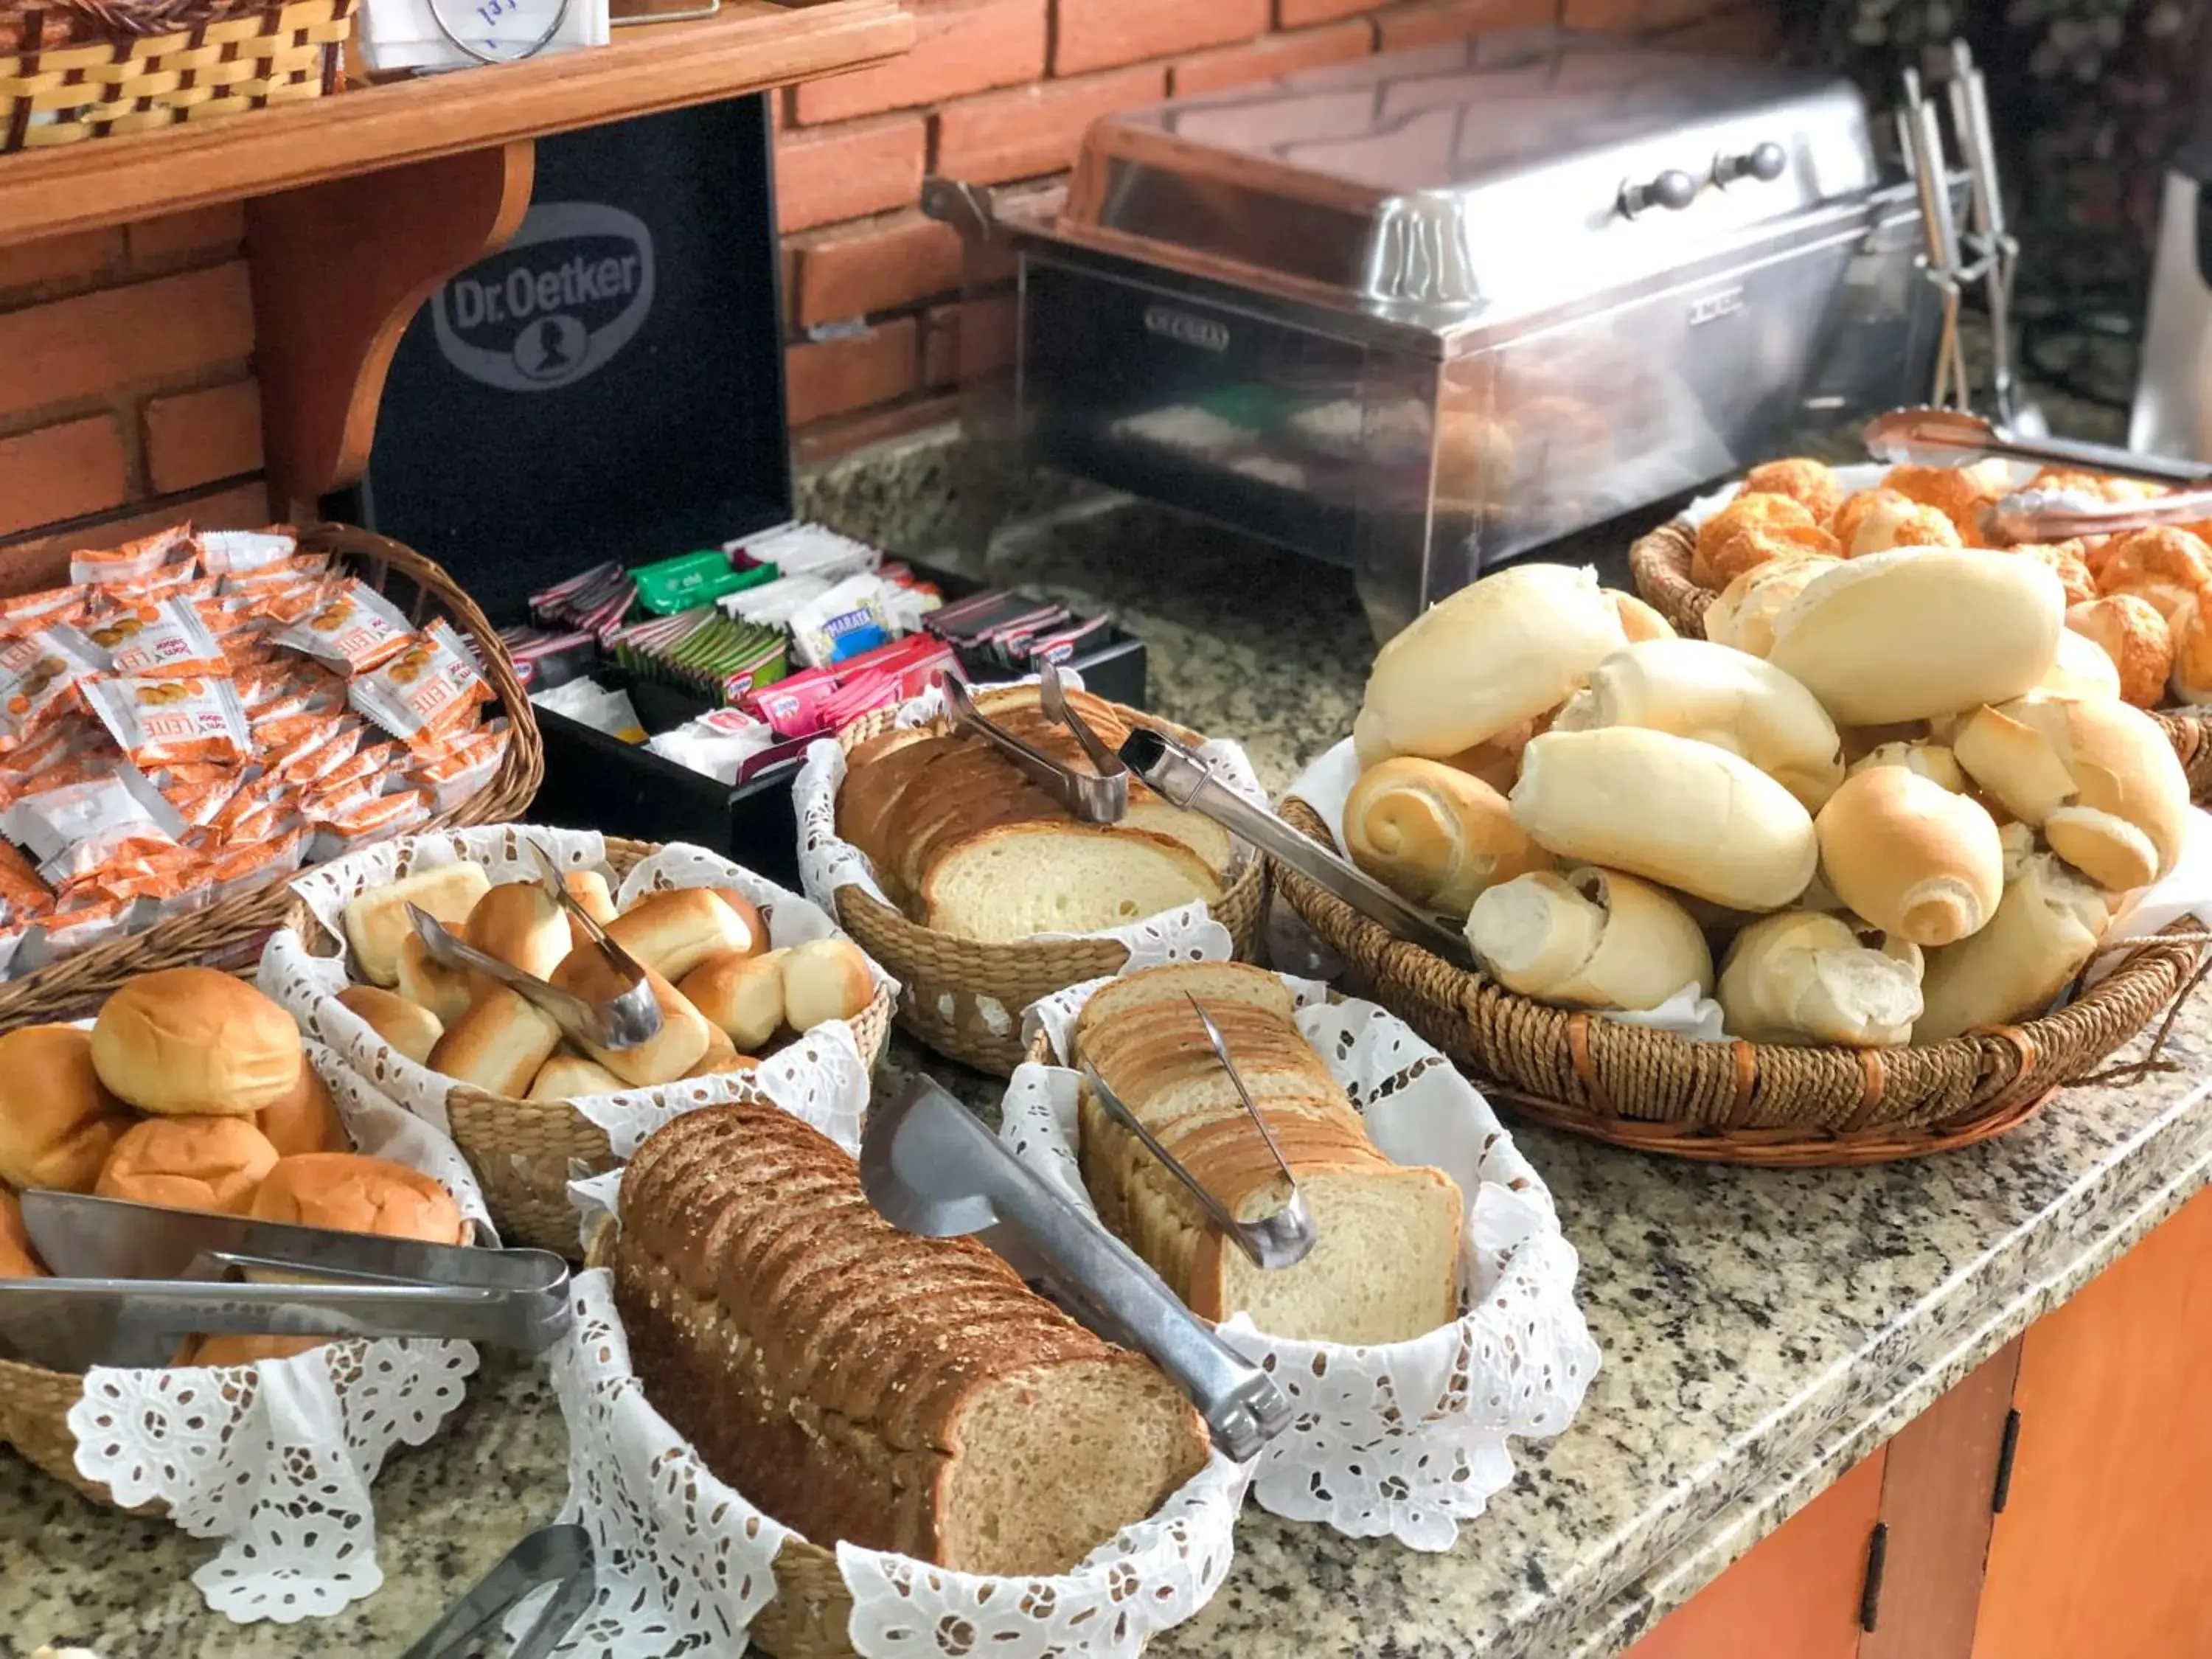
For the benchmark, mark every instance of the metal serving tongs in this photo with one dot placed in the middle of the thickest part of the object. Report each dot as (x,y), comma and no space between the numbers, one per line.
(1184,779)
(1922,136)
(132,1281)
(1957,437)
(1100,796)
(1996,250)
(930,1167)
(560,1556)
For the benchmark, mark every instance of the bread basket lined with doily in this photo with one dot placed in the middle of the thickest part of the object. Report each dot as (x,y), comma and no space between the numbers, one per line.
(274,1459)
(525,1152)
(962,995)
(1402,1439)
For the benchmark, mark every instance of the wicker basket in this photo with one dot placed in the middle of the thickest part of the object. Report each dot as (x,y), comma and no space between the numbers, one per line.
(228,934)
(1738,1102)
(524,1152)
(1660,563)
(946,983)
(88,69)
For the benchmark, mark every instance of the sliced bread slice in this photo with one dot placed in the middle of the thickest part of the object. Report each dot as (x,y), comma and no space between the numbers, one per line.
(1211,983)
(1019,880)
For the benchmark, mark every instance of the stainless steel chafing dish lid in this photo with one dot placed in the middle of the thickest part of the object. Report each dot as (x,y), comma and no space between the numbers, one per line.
(1475,181)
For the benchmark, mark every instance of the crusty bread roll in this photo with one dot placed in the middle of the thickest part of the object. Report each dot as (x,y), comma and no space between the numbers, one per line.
(1639,621)
(189,1163)
(446,991)
(589,889)
(666,1055)
(1854,508)
(1435,835)
(1805,976)
(568,1076)
(2191,680)
(825,979)
(2080,669)
(1498,651)
(1589,938)
(57,1120)
(742,995)
(673,932)
(2165,564)
(17,1259)
(1932,761)
(1911,857)
(1900,523)
(2046,927)
(355,1194)
(193,1043)
(306,1121)
(722,1056)
(376,922)
(1752,529)
(2139,640)
(1695,689)
(498,1044)
(1919,632)
(407,1026)
(1682,813)
(2097,777)
(1742,613)
(521,924)
(1812,485)
(1963,492)
(2065,561)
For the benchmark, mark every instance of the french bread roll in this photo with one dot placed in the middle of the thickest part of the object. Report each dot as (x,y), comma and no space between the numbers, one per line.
(2097,777)
(189,1163)
(1639,621)
(669,1052)
(194,1042)
(1911,857)
(1695,689)
(2135,637)
(57,1122)
(407,1026)
(1742,613)
(2046,927)
(1497,759)
(1588,938)
(1501,650)
(521,924)
(825,979)
(569,1076)
(674,930)
(1435,835)
(1806,976)
(306,1121)
(589,889)
(355,1194)
(742,995)
(1921,632)
(2080,669)
(1682,813)
(1932,761)
(17,1260)
(446,991)
(376,922)
(498,1044)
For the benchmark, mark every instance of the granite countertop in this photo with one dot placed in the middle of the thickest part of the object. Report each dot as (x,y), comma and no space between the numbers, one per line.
(1761,1330)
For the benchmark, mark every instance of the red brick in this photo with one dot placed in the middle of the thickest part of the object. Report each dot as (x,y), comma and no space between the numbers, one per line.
(208,230)
(843,173)
(53,260)
(1753,33)
(1093,34)
(823,378)
(1035,130)
(959,47)
(1262,60)
(1296,13)
(42,561)
(967,341)
(826,440)
(874,265)
(1406,26)
(61,472)
(198,437)
(68,349)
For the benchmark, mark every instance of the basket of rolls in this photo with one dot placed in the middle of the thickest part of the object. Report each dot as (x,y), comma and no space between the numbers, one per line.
(793,1424)
(1435,1316)
(1878,892)
(192,1091)
(759,998)
(981,892)
(1728,567)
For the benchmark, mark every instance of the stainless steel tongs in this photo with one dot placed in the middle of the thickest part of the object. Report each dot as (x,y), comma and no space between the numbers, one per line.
(558,1555)
(133,1280)
(1958,437)
(1100,796)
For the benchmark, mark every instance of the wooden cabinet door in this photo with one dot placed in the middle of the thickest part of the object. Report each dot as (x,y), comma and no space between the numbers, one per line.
(1795,1595)
(2102,1546)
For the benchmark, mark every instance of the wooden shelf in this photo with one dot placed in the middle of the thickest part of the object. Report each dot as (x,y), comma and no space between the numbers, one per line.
(752,45)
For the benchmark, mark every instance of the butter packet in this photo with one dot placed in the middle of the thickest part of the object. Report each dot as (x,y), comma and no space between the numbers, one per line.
(426,693)
(164,552)
(349,627)
(235,552)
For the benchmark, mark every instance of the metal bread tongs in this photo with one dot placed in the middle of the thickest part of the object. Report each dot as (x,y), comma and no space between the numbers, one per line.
(1099,796)
(929,1167)
(1958,437)
(133,1280)
(560,1556)
(1184,779)
(1281,1240)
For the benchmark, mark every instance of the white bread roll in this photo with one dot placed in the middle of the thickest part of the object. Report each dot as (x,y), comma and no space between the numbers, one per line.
(521,924)
(1743,614)
(1589,938)
(2046,927)
(1695,689)
(1803,976)
(2082,669)
(425,982)
(1920,632)
(2096,776)
(1912,858)
(1932,761)
(569,1076)
(589,889)
(674,930)
(1676,812)
(666,1055)
(59,1123)
(498,1044)
(193,1042)
(407,1026)
(741,995)
(1435,835)
(376,922)
(1499,651)
(825,979)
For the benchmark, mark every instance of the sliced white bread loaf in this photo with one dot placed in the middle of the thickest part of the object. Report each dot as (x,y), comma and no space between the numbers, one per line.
(1017,880)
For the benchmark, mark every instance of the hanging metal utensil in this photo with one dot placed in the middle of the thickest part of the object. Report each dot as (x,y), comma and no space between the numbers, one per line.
(1923,139)
(625,1020)
(1958,437)
(1996,251)
(1095,797)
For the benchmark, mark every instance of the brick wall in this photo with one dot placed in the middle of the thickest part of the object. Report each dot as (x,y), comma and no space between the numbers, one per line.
(878,335)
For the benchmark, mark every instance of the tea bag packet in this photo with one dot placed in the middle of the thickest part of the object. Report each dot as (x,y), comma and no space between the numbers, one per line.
(348,627)
(39,672)
(166,722)
(425,692)
(157,639)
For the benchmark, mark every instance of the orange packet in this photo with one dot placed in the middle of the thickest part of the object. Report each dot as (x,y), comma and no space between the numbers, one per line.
(308,765)
(78,829)
(87,921)
(160,639)
(150,557)
(351,628)
(21,893)
(168,722)
(354,823)
(426,692)
(241,552)
(463,766)
(21,612)
(256,863)
(39,672)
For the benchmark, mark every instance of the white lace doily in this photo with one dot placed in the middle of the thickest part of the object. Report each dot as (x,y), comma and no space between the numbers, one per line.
(685,1563)
(828,862)
(275,1458)
(820,1078)
(1404,1439)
